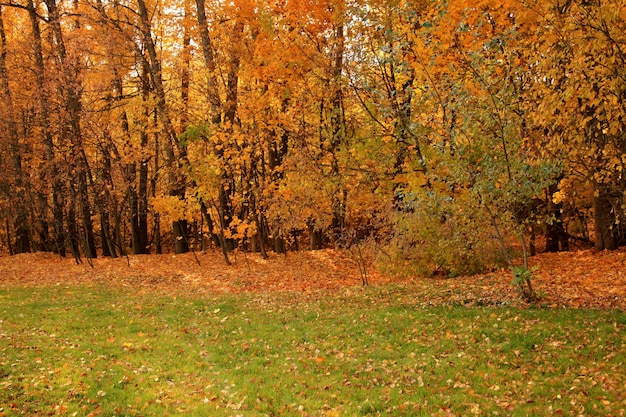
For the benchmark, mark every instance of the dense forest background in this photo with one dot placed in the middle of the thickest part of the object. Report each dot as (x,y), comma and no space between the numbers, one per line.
(436,131)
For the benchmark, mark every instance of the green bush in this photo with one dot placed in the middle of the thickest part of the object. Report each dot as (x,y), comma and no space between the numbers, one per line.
(429,240)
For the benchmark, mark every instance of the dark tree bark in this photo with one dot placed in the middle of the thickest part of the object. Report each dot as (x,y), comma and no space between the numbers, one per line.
(604,220)
(71,90)
(181,236)
(556,237)
(280,245)
(17,192)
(137,187)
(104,199)
(142,204)
(400,97)
(177,184)
(229,109)
(72,228)
(52,169)
(210,224)
(158,245)
(338,133)
(316,237)
(208,53)
(7,231)
(181,229)
(276,154)
(107,239)
(185,74)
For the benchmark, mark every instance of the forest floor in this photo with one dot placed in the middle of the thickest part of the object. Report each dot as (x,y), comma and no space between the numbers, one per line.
(299,336)
(576,279)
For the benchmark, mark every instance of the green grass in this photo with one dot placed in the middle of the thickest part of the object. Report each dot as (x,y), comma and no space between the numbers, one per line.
(101,351)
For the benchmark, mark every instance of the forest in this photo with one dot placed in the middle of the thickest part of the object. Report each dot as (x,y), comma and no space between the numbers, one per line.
(312,207)
(440,132)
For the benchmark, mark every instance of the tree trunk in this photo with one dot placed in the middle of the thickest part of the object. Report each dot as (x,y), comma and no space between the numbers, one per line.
(181,227)
(7,230)
(279,245)
(338,133)
(142,207)
(52,171)
(185,77)
(316,236)
(209,61)
(604,220)
(532,248)
(556,238)
(158,246)
(210,225)
(177,184)
(108,244)
(229,108)
(137,188)
(73,106)
(18,193)
(103,198)
(72,229)
(181,236)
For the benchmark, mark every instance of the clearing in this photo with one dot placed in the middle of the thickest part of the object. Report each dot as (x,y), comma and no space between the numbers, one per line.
(299,336)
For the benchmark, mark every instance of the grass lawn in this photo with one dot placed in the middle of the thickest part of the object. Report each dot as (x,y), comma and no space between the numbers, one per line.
(93,350)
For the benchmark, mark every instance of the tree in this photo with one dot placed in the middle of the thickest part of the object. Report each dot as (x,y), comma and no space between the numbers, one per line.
(580,100)
(71,77)
(18,193)
(451,127)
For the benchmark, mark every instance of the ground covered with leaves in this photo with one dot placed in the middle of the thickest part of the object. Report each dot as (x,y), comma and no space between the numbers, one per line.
(578,279)
(106,351)
(299,336)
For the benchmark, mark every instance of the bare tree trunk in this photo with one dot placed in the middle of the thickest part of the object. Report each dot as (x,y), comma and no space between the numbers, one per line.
(158,247)
(181,226)
(142,201)
(338,133)
(7,230)
(20,223)
(72,228)
(52,171)
(228,107)
(209,60)
(177,185)
(73,105)
(137,188)
(316,236)
(103,198)
(604,220)
(210,224)
(556,238)
(276,154)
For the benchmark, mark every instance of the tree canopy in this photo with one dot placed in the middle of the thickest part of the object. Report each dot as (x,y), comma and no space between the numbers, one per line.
(436,129)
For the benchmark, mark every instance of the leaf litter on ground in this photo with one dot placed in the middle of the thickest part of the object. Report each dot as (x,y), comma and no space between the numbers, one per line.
(578,279)
(305,339)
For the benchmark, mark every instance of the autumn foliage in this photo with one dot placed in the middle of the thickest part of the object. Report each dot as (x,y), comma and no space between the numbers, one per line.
(433,134)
